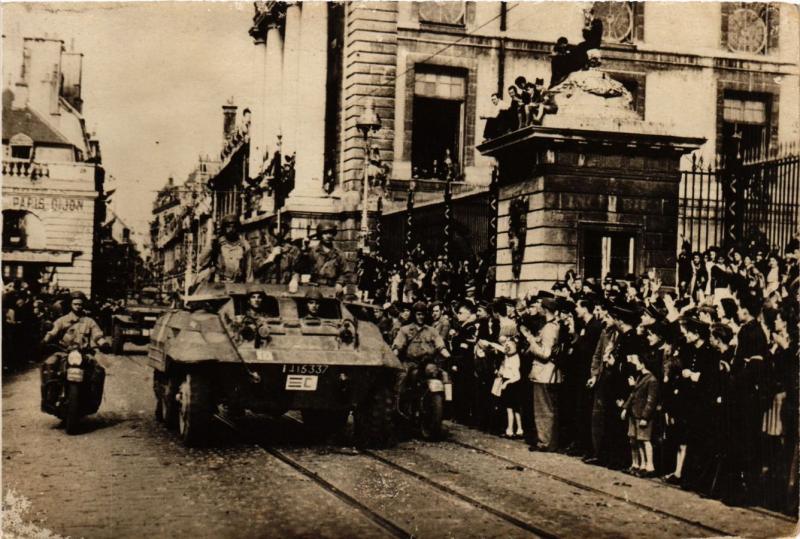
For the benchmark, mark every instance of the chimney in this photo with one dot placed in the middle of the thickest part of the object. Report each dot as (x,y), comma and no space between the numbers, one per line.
(72,67)
(228,119)
(43,73)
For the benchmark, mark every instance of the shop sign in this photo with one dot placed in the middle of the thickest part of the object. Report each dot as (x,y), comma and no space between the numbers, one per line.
(43,203)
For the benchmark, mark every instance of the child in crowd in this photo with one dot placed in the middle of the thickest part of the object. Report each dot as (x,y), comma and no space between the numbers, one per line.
(507,385)
(639,410)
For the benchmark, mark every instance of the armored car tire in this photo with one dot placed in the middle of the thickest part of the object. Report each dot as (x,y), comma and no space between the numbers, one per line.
(166,405)
(194,409)
(374,419)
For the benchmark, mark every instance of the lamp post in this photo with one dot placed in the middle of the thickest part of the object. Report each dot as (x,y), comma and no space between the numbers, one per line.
(368,121)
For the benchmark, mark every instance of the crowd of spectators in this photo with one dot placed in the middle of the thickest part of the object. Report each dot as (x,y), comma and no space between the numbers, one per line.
(697,386)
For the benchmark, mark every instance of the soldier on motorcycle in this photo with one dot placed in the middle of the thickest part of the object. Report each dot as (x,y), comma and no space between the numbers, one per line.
(75,328)
(415,344)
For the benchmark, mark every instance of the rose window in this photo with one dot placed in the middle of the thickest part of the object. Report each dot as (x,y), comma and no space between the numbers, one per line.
(617,20)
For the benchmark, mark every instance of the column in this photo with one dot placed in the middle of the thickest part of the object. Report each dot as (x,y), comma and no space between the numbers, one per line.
(313,57)
(291,81)
(272,83)
(257,129)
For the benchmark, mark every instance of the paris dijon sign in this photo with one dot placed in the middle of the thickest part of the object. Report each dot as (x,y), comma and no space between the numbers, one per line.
(39,203)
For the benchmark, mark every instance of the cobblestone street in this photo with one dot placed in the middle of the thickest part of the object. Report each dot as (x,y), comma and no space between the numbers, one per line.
(126,476)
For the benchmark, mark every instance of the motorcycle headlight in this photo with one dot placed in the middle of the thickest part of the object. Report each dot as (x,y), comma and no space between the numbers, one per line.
(74,358)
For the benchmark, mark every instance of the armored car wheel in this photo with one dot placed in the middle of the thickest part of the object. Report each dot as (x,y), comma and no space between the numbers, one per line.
(195,412)
(374,419)
(166,405)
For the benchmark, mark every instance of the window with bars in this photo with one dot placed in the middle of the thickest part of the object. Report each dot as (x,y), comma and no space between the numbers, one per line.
(745,121)
(452,13)
(750,27)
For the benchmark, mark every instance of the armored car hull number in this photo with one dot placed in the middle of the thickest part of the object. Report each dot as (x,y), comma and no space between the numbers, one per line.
(301,368)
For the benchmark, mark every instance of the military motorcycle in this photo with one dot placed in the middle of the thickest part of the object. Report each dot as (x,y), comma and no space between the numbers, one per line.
(72,385)
(422,403)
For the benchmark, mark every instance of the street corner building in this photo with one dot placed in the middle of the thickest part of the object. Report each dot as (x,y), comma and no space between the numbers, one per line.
(52,176)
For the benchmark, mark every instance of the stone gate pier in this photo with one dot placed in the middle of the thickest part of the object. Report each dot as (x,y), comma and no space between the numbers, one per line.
(594,188)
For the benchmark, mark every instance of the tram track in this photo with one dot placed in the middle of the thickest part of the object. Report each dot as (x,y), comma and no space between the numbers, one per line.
(387,525)
(395,530)
(587,488)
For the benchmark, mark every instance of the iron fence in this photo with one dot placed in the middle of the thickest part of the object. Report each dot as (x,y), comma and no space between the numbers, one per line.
(753,198)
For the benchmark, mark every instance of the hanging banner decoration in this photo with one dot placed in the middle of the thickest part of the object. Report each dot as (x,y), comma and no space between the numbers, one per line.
(517,230)
(494,195)
(409,240)
(379,228)
(448,216)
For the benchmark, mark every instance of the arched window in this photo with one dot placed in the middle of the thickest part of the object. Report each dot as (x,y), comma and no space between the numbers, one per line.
(21,146)
(622,21)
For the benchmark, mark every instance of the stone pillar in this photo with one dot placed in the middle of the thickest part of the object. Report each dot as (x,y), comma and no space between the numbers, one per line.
(310,119)
(258,129)
(273,86)
(291,74)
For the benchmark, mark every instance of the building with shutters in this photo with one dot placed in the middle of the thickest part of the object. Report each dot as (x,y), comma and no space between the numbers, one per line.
(52,172)
(725,71)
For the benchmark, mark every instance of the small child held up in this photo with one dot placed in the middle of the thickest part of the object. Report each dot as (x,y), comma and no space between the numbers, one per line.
(639,409)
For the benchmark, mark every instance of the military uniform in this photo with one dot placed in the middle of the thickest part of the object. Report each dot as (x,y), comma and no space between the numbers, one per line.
(415,344)
(73,330)
(328,265)
(230,260)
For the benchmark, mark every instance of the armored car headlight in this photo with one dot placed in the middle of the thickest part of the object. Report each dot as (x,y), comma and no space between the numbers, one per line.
(74,358)
(263,331)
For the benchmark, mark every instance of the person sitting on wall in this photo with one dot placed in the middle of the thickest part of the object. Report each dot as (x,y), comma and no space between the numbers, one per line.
(561,61)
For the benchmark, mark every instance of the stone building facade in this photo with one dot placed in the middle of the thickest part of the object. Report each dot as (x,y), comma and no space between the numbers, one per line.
(717,70)
(52,172)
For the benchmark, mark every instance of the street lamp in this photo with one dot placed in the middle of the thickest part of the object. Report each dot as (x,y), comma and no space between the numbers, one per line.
(368,121)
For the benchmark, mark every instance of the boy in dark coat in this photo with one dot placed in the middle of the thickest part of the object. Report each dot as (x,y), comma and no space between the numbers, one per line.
(639,410)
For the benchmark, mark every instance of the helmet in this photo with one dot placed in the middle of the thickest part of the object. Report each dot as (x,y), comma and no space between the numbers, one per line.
(326,227)
(314,293)
(229,219)
(420,307)
(78,295)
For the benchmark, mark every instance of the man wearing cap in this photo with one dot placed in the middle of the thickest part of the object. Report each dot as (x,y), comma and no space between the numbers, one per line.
(599,376)
(328,262)
(577,375)
(228,259)
(545,377)
(485,359)
(313,298)
(747,393)
(416,343)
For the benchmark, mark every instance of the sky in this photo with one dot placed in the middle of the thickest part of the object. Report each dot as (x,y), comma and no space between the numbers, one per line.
(155,77)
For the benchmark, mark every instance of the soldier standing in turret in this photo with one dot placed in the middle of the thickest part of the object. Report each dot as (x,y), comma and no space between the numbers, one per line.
(228,259)
(328,263)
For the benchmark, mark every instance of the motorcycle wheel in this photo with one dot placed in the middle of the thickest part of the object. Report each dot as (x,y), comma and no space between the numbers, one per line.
(72,414)
(117,340)
(430,424)
(194,415)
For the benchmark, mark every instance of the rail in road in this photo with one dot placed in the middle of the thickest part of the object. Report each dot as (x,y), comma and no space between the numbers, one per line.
(310,469)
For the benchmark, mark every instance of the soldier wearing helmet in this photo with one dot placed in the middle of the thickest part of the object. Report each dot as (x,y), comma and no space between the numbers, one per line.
(313,298)
(328,266)
(416,343)
(228,259)
(75,328)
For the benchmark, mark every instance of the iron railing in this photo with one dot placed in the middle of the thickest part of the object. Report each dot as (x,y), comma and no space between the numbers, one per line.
(755,197)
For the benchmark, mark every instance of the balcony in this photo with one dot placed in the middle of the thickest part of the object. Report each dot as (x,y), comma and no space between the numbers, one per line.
(24,168)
